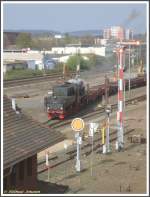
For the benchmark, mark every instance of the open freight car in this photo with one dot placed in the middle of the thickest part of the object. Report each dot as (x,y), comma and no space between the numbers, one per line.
(74,94)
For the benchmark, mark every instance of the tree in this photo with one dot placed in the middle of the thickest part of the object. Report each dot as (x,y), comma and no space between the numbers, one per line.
(24,40)
(74,60)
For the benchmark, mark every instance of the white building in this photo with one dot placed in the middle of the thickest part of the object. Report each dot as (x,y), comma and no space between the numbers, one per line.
(10,65)
(117,32)
(65,58)
(58,36)
(129,34)
(107,33)
(99,41)
(114,32)
(76,50)
(34,60)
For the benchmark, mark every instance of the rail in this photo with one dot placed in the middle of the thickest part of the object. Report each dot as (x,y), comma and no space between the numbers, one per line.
(37,79)
(86,148)
(58,123)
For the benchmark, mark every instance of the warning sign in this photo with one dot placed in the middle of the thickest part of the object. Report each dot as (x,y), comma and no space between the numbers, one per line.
(77,124)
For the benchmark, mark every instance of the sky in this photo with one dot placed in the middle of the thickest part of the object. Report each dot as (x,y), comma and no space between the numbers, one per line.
(73,17)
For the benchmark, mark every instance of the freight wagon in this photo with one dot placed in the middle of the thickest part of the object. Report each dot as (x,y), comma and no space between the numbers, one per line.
(74,94)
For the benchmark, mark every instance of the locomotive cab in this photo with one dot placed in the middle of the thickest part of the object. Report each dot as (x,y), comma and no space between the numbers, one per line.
(64,99)
(58,103)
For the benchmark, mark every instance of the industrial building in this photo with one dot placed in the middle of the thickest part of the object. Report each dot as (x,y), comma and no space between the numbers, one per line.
(10,65)
(117,33)
(107,33)
(79,49)
(34,59)
(23,138)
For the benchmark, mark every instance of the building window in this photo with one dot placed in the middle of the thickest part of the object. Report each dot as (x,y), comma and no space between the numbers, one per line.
(13,177)
(21,170)
(29,166)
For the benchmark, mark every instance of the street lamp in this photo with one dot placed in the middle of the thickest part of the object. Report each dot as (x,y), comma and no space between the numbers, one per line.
(137,44)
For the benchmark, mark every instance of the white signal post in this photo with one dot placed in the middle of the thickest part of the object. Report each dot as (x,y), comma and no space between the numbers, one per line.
(78,125)
(47,164)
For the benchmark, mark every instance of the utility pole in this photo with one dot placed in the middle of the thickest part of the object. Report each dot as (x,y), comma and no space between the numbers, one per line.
(107,110)
(129,69)
(106,90)
(79,142)
(64,70)
(78,65)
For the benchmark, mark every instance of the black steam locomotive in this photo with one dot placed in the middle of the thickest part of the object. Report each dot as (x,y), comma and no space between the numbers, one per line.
(74,94)
(66,98)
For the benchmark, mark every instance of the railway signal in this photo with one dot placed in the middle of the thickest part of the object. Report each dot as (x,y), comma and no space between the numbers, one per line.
(103,135)
(108,111)
(47,164)
(120,54)
(120,141)
(78,125)
(129,44)
(79,142)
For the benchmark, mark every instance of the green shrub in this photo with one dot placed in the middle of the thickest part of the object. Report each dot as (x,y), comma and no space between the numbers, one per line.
(22,73)
(75,60)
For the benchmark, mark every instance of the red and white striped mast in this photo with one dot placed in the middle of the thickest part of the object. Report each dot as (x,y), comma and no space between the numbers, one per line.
(120,133)
(120,53)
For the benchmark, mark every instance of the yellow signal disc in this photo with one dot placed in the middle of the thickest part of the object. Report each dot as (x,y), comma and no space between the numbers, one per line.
(77,124)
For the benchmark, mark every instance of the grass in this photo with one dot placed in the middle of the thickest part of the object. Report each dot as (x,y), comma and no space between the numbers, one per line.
(26,73)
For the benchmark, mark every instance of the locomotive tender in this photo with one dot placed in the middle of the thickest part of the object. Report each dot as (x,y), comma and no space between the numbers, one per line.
(74,94)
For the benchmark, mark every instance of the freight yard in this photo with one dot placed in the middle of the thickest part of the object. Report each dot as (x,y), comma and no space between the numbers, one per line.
(62,171)
(75,103)
(129,165)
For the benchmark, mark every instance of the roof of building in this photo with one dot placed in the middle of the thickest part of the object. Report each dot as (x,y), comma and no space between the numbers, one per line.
(14,62)
(23,136)
(22,56)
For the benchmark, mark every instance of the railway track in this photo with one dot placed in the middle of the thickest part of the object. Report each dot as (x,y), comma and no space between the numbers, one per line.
(58,123)
(38,79)
(71,154)
(57,160)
